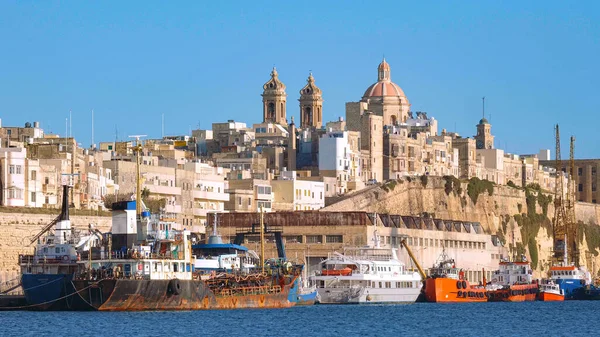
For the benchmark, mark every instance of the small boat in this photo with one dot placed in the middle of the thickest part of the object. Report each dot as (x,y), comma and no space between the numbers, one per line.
(550,292)
(513,282)
(446,283)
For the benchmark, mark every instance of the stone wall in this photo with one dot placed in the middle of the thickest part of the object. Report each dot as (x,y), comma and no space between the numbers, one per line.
(496,213)
(17,229)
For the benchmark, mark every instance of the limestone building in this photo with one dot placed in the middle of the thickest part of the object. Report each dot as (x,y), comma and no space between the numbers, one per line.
(274,100)
(384,98)
(311,105)
(484,138)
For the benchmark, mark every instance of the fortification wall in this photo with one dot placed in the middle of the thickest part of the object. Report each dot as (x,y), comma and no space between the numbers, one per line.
(17,229)
(497,213)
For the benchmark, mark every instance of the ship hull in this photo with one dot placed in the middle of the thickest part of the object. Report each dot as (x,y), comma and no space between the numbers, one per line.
(440,290)
(367,295)
(586,294)
(569,286)
(515,293)
(308,298)
(48,292)
(550,297)
(145,295)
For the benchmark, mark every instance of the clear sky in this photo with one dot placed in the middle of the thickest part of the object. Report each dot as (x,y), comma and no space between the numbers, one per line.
(200,62)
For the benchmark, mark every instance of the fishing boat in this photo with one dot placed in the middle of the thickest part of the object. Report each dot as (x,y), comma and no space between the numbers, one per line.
(366,275)
(549,291)
(512,282)
(446,283)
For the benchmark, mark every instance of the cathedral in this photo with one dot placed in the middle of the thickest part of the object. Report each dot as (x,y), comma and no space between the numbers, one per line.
(274,102)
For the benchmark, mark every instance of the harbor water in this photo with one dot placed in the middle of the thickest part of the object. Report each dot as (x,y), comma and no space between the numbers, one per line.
(419,319)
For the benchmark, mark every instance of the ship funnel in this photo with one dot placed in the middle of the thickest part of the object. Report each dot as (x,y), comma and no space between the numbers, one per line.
(64,211)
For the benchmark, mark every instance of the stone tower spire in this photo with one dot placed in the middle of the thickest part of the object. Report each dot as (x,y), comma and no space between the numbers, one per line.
(484,138)
(311,105)
(274,100)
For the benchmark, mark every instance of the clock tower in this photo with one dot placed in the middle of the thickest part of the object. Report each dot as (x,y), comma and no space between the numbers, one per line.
(484,138)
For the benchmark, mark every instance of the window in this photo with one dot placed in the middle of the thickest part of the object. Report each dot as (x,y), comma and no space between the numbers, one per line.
(33,196)
(314,238)
(580,171)
(46,180)
(580,188)
(240,201)
(11,169)
(334,238)
(249,201)
(33,175)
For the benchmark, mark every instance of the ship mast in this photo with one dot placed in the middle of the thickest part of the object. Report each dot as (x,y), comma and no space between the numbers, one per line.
(137,148)
(262,241)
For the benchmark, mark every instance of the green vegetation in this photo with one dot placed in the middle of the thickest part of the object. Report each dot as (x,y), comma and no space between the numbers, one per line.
(544,201)
(53,211)
(424,179)
(511,184)
(477,186)
(390,185)
(592,236)
(533,192)
(533,252)
(452,185)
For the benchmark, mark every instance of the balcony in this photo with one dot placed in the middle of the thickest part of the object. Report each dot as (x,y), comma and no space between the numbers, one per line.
(164,190)
(173,208)
(205,195)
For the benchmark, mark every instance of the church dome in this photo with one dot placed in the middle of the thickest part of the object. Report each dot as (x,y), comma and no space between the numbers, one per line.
(483,121)
(381,89)
(384,86)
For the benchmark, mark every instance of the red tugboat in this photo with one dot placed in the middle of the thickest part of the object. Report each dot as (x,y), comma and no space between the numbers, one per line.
(513,282)
(446,283)
(550,292)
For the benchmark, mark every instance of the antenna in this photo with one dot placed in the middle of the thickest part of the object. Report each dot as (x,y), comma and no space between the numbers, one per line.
(483,106)
(92,128)
(162,126)
(70,125)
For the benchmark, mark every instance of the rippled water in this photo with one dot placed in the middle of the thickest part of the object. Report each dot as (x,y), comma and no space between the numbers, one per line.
(573,318)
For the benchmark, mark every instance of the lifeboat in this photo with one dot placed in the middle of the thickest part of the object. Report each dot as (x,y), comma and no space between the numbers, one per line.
(337,272)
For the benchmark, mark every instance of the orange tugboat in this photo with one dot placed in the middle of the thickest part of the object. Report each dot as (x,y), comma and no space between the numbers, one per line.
(513,282)
(446,283)
(550,292)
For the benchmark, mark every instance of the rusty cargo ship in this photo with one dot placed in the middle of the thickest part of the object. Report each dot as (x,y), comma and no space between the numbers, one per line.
(143,264)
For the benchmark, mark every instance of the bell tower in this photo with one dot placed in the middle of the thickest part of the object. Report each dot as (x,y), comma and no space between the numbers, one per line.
(274,100)
(484,138)
(311,105)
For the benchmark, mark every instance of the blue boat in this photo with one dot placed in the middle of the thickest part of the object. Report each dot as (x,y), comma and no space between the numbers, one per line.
(47,275)
(216,256)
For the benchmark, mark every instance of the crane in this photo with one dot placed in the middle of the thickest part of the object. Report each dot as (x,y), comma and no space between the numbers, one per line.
(412,257)
(558,225)
(571,223)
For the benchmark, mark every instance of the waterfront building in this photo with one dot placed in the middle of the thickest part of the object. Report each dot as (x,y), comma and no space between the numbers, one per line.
(293,193)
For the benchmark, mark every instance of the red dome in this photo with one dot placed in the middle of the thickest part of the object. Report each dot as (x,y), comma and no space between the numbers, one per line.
(383,88)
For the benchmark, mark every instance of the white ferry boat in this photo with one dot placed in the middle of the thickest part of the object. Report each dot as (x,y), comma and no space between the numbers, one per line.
(366,275)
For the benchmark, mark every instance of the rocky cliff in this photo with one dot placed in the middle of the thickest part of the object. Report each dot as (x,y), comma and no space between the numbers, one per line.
(522,218)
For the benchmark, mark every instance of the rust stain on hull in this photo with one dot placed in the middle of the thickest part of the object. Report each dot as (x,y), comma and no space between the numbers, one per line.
(144,295)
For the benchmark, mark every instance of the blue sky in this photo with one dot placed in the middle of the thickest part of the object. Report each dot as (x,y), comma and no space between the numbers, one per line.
(200,62)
